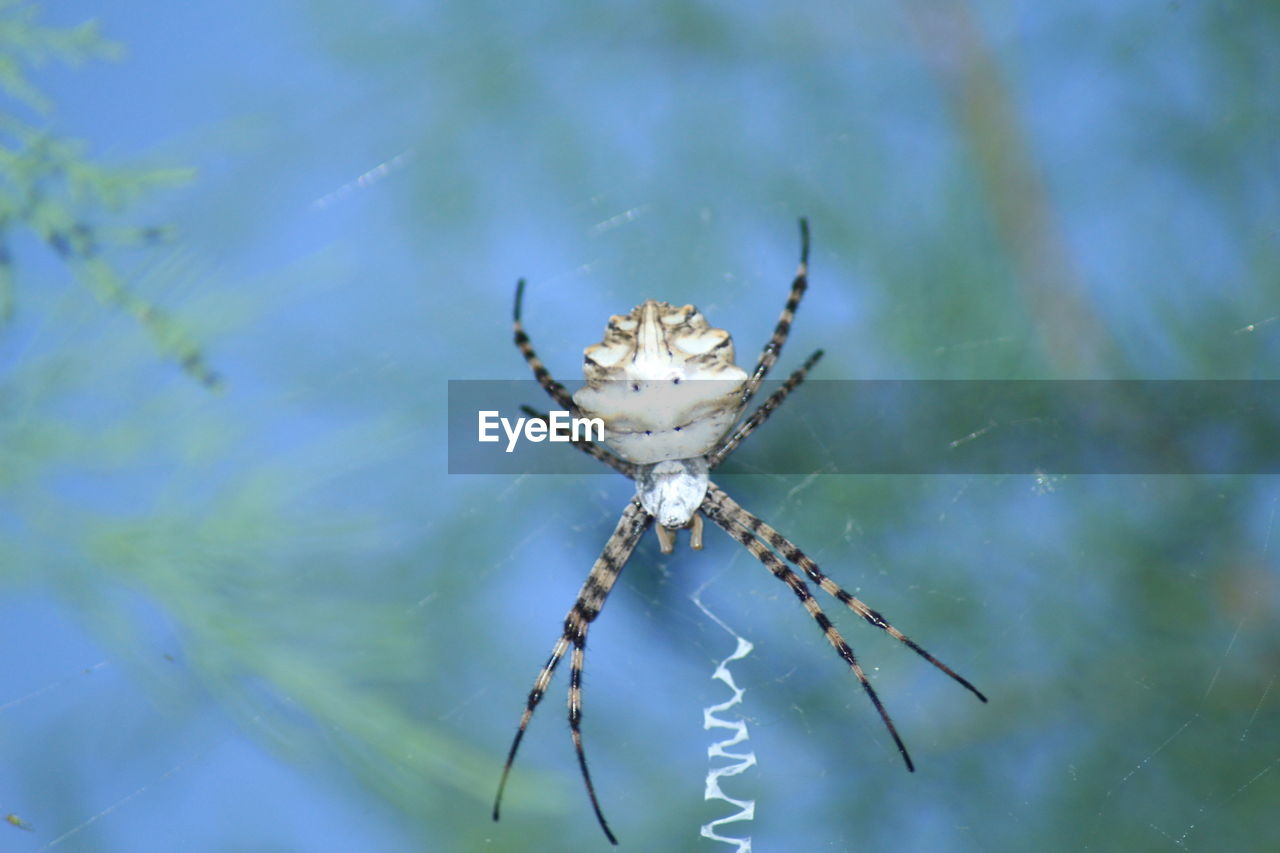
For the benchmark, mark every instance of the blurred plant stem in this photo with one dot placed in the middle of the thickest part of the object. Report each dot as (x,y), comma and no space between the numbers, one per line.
(1009,179)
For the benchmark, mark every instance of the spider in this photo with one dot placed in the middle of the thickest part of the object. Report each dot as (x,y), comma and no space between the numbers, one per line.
(668,437)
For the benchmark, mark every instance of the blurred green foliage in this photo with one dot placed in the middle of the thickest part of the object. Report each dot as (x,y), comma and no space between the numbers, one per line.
(50,187)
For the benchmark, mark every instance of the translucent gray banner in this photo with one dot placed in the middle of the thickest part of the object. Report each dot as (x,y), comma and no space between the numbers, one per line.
(935,427)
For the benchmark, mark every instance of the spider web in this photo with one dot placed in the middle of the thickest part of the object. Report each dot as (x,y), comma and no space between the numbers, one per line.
(739,762)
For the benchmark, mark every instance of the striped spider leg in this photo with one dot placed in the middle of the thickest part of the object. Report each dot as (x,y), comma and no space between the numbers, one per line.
(668,437)
(772,349)
(600,581)
(754,534)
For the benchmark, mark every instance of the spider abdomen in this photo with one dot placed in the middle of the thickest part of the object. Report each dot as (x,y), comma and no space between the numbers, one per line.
(655,421)
(664,382)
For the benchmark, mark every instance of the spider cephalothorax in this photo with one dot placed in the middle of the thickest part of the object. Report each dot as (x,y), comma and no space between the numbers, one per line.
(664,382)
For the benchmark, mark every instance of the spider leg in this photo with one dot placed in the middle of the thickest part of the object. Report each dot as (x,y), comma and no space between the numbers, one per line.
(540,372)
(590,448)
(575,723)
(631,526)
(760,415)
(717,513)
(786,548)
(770,353)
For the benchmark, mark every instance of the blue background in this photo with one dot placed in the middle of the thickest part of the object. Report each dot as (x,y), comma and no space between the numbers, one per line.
(266,618)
